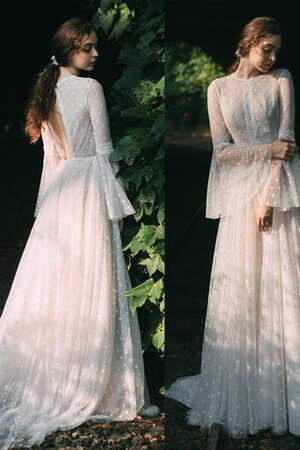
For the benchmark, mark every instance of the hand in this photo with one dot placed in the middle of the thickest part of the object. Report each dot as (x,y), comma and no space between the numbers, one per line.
(121,224)
(264,218)
(284,149)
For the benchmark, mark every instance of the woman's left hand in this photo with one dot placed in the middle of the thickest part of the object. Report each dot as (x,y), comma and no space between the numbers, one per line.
(121,224)
(264,218)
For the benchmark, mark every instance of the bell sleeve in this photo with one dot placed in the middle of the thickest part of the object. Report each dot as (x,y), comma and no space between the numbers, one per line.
(118,205)
(51,161)
(237,172)
(282,187)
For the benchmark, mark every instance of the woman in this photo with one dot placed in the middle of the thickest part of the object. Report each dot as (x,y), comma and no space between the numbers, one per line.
(250,373)
(70,347)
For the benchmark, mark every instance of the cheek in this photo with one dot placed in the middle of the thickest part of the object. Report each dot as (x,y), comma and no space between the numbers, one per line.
(257,57)
(81,59)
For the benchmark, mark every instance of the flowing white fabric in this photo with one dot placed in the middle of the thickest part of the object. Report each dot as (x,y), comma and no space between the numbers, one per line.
(70,348)
(256,112)
(250,370)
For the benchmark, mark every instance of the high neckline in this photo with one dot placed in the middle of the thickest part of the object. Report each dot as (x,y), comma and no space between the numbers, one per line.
(66,78)
(247,79)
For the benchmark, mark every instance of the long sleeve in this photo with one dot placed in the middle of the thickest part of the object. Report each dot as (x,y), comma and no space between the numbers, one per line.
(224,151)
(118,205)
(282,188)
(237,172)
(51,161)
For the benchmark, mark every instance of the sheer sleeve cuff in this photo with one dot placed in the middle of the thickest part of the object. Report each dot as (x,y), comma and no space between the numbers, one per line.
(282,188)
(117,202)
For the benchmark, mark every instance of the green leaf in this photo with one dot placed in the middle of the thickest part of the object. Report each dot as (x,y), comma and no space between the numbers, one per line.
(155,292)
(160,86)
(139,294)
(160,153)
(103,19)
(105,4)
(122,23)
(131,76)
(136,245)
(159,337)
(160,248)
(141,289)
(158,128)
(160,232)
(146,39)
(147,234)
(161,215)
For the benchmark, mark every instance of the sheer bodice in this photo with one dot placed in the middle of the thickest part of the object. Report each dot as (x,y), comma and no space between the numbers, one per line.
(254,113)
(84,128)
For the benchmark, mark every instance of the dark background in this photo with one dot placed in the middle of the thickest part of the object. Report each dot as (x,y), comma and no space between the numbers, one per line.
(216,26)
(26,29)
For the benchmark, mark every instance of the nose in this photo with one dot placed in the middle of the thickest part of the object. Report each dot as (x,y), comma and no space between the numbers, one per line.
(273,57)
(95,53)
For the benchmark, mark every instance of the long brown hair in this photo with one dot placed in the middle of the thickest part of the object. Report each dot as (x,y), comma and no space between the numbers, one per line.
(252,34)
(68,37)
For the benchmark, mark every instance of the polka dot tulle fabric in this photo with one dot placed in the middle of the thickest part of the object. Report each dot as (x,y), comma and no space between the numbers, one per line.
(250,369)
(70,348)
(256,112)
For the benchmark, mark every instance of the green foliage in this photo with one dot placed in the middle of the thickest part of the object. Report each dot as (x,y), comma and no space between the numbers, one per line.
(189,72)
(137,125)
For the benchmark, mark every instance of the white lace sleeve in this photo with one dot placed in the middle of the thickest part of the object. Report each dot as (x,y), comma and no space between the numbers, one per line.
(282,188)
(50,162)
(237,171)
(118,205)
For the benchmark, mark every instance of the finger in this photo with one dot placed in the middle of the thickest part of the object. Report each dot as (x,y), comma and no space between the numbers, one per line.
(257,224)
(293,146)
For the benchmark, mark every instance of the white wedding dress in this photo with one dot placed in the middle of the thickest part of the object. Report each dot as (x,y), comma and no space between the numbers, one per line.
(70,348)
(250,371)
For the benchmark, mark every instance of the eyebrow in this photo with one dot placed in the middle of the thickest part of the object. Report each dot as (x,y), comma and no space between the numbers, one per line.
(91,43)
(271,45)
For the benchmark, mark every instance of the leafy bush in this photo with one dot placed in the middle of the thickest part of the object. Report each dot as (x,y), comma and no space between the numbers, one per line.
(189,71)
(137,125)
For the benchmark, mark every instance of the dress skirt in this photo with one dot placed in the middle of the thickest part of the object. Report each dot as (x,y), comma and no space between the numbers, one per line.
(70,347)
(250,370)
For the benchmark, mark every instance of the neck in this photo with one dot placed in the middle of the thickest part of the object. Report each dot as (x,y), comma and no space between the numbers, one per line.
(66,71)
(246,70)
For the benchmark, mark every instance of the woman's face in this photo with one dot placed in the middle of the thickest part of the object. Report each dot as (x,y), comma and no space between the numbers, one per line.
(85,57)
(264,55)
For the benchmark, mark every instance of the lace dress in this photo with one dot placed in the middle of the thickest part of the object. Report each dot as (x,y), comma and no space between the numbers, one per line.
(250,370)
(70,347)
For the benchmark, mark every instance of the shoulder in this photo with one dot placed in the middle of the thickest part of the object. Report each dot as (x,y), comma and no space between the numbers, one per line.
(94,87)
(87,83)
(217,84)
(280,73)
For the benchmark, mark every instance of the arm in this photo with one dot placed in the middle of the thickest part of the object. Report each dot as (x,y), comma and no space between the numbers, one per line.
(225,152)
(286,94)
(118,205)
(50,162)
